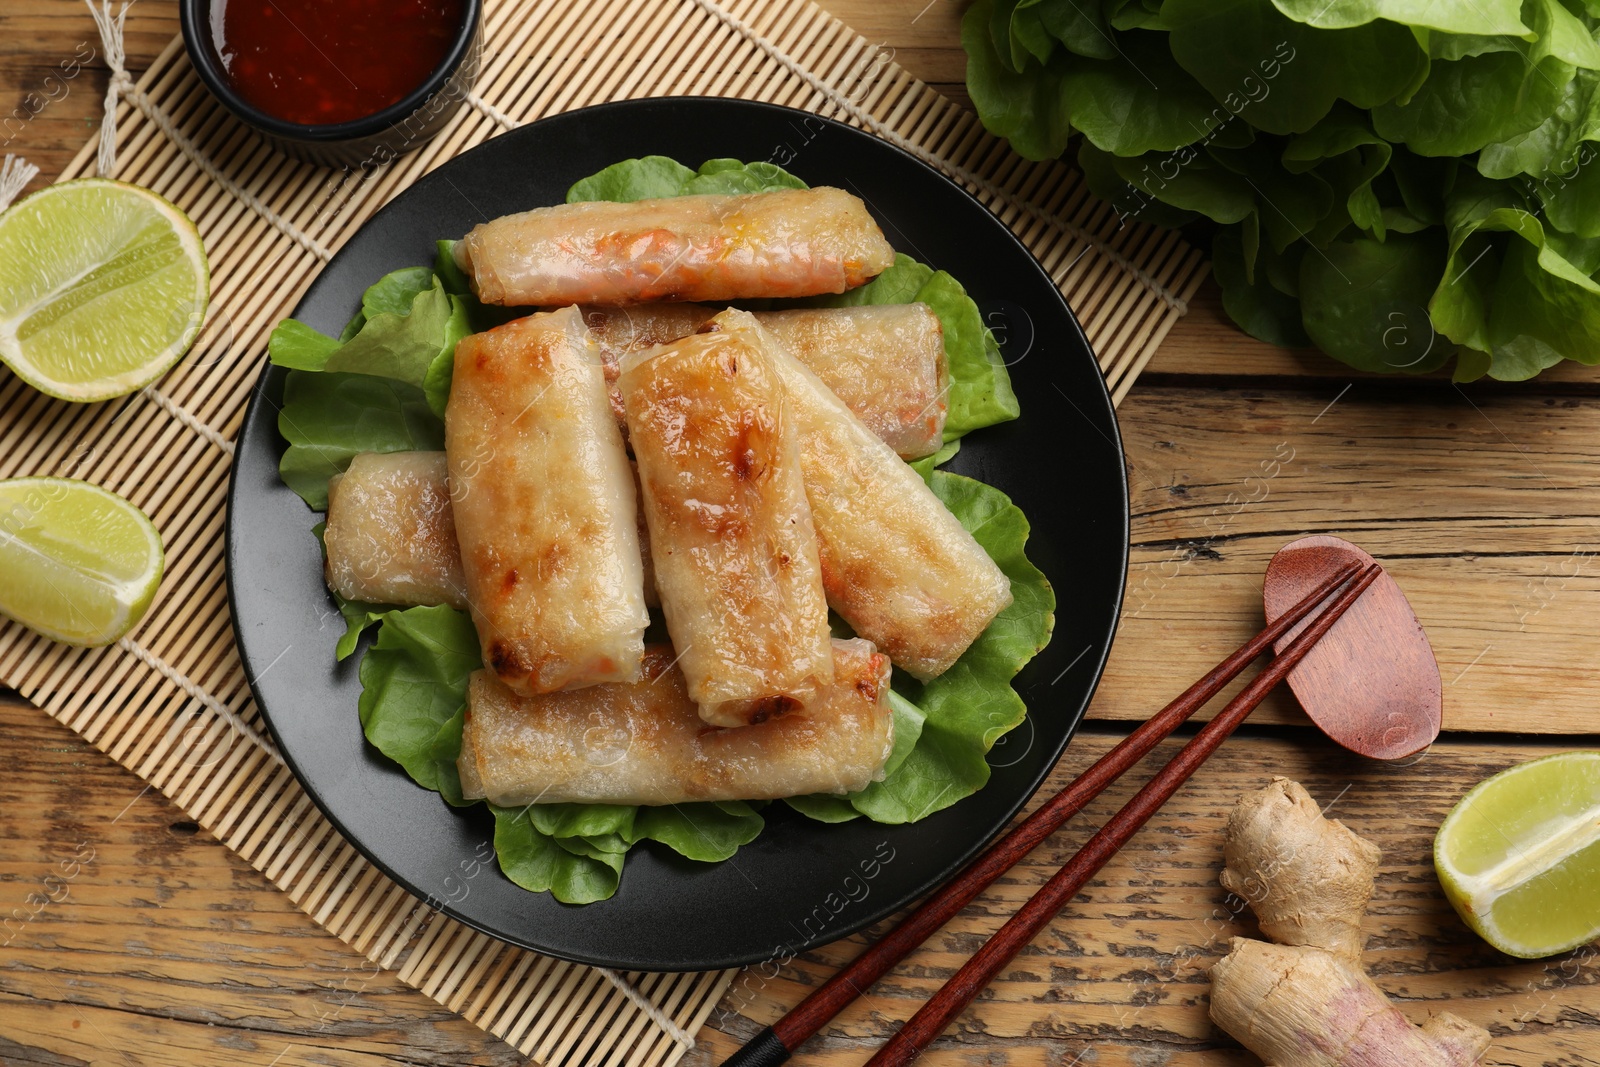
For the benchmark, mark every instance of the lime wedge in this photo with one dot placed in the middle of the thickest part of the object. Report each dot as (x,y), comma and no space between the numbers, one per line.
(1519,856)
(103,287)
(77,564)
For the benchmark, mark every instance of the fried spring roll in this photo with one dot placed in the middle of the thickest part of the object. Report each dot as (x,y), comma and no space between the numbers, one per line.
(394,533)
(896,564)
(544,504)
(645,743)
(619,331)
(391,534)
(730,529)
(886,362)
(789,242)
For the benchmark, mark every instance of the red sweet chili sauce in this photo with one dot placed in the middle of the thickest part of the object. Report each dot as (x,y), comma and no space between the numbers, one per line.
(323,61)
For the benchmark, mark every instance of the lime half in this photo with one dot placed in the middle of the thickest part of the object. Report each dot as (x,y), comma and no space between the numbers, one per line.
(77,564)
(103,287)
(1519,856)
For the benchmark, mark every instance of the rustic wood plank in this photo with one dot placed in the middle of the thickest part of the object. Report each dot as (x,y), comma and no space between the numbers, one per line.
(1477,500)
(53,76)
(1120,978)
(129,935)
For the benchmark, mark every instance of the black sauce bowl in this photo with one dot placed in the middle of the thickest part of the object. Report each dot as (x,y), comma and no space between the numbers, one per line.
(360,143)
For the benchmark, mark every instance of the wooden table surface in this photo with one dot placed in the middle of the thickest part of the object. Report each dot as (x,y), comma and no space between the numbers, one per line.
(166,948)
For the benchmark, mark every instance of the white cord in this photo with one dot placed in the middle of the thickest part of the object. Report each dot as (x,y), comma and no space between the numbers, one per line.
(494,114)
(122,84)
(182,681)
(171,407)
(15,174)
(679,1036)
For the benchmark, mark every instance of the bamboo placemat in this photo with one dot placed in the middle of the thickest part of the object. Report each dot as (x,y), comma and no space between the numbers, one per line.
(171,701)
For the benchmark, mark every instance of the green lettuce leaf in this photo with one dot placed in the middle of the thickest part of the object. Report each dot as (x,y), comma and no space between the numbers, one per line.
(1477,16)
(1283,76)
(1124,92)
(1554,146)
(1029,108)
(1189,181)
(1288,204)
(1136,15)
(1364,302)
(540,863)
(357,616)
(1101,172)
(709,831)
(926,464)
(328,418)
(658,176)
(1082,27)
(1492,96)
(1250,299)
(1468,103)
(1138,100)
(1344,152)
(414,692)
(407,330)
(1514,290)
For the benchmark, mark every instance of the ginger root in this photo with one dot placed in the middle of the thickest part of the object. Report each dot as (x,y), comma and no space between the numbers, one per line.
(1306,1002)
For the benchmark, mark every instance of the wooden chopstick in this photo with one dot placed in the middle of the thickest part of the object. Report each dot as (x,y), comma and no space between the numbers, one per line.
(774,1044)
(932,1018)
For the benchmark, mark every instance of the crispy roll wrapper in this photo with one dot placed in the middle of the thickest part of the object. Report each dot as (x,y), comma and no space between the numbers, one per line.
(896,564)
(391,533)
(730,529)
(544,504)
(397,533)
(789,242)
(645,743)
(886,362)
(619,331)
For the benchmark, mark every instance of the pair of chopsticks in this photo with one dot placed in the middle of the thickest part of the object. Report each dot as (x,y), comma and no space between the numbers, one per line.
(773,1045)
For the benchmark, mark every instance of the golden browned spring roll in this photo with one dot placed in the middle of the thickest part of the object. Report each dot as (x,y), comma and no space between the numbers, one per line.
(886,362)
(394,539)
(544,506)
(619,331)
(730,529)
(789,242)
(391,534)
(644,743)
(896,564)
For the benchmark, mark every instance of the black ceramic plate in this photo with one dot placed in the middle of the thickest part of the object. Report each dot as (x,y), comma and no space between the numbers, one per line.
(801,883)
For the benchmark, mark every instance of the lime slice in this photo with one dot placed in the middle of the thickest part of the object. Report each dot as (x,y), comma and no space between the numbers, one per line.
(77,564)
(103,287)
(1519,856)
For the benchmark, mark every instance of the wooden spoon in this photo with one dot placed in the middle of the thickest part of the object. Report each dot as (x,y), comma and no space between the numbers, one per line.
(1372,683)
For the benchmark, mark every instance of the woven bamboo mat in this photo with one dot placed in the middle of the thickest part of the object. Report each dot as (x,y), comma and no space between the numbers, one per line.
(171,701)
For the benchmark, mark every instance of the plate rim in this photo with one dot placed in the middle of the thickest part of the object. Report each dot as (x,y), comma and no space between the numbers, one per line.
(1102,402)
